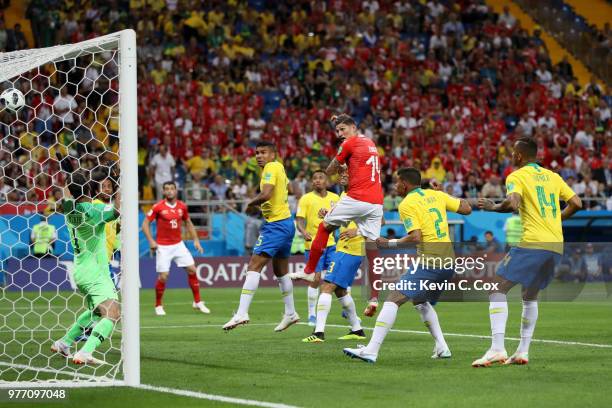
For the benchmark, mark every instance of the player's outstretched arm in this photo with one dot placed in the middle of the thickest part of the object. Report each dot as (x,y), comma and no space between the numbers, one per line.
(194,236)
(266,193)
(573,204)
(464,207)
(510,204)
(413,236)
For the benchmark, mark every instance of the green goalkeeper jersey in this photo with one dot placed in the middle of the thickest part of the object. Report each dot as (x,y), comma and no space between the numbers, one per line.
(86,222)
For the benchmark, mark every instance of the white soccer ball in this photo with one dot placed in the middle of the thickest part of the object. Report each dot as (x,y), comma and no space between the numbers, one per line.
(12,99)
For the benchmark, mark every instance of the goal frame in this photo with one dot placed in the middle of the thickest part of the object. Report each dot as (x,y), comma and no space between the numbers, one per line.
(125,42)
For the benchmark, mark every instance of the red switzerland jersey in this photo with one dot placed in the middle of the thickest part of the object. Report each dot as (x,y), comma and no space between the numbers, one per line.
(361,156)
(169,221)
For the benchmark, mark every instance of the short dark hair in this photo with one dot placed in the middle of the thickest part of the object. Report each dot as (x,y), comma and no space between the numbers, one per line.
(318,171)
(488,232)
(343,119)
(411,175)
(528,146)
(98,177)
(168,183)
(78,185)
(266,143)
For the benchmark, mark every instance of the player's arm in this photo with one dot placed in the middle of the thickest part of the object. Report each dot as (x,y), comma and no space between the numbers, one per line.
(349,233)
(334,167)
(454,204)
(194,235)
(574,203)
(264,195)
(339,162)
(300,217)
(146,229)
(511,203)
(300,223)
(412,223)
(464,207)
(414,236)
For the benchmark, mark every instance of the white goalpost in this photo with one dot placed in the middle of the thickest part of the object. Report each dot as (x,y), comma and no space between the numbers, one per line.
(81,106)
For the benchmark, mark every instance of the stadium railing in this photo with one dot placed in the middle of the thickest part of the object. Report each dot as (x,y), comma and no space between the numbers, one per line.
(574,34)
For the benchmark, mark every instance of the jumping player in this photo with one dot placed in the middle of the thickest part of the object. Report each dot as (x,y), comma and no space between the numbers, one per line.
(362,203)
(169,246)
(274,240)
(340,275)
(86,222)
(536,193)
(105,184)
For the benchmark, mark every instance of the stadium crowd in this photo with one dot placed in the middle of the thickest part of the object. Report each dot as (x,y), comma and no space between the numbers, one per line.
(441,85)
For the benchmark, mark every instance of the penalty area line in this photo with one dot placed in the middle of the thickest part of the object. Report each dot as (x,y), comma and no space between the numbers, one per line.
(212,397)
(474,336)
(479,336)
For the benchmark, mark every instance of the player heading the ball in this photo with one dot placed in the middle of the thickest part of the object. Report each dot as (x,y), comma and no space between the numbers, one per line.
(363,202)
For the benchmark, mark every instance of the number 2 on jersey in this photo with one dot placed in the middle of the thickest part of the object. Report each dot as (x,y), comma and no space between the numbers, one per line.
(437,222)
(373,161)
(545,203)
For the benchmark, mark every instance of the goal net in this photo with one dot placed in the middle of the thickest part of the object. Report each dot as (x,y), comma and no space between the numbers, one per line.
(79,116)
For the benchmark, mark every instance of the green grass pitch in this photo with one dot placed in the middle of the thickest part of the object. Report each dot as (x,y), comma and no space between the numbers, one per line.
(189,351)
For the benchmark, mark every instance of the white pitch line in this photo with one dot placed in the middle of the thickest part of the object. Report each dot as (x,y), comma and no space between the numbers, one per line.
(54,371)
(212,397)
(60,384)
(478,336)
(475,336)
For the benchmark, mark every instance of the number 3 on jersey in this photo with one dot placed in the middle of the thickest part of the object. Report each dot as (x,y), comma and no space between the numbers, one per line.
(373,161)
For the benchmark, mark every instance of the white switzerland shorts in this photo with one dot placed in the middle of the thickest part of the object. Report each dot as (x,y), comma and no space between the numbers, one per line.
(178,253)
(367,216)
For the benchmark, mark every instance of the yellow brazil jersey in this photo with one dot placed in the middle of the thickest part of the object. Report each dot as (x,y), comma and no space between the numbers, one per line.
(540,190)
(308,208)
(112,239)
(425,210)
(352,246)
(277,207)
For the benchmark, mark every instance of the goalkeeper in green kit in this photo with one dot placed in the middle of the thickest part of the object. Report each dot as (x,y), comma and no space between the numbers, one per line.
(86,222)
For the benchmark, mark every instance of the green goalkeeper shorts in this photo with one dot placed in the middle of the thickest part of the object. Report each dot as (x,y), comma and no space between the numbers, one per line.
(94,282)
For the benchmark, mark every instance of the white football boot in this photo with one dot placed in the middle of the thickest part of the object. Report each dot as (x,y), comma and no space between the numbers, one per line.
(82,357)
(518,359)
(491,357)
(236,321)
(287,321)
(361,353)
(201,307)
(441,352)
(62,348)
